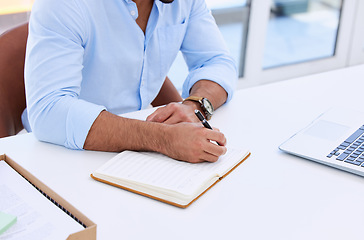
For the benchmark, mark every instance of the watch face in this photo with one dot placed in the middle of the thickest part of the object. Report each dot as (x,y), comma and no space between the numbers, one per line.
(208,106)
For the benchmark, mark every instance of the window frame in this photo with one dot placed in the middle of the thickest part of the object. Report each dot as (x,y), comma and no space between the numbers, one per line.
(259,16)
(357,39)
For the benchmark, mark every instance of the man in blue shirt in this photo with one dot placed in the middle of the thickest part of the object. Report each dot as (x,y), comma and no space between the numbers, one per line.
(88,61)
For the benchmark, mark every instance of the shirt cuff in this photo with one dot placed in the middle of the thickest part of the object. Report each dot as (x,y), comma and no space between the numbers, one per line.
(217,74)
(80,118)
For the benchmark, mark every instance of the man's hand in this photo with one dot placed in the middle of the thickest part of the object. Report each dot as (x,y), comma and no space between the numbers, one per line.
(174,113)
(191,142)
(179,138)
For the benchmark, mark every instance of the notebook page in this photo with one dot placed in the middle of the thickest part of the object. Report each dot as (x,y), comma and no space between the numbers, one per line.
(158,170)
(233,156)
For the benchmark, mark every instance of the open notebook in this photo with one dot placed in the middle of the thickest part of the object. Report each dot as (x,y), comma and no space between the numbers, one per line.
(160,177)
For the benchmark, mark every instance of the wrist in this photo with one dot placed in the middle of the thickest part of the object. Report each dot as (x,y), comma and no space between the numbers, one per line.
(193,105)
(164,139)
(202,104)
(149,136)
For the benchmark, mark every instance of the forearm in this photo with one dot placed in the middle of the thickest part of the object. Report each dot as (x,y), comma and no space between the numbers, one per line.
(183,141)
(208,60)
(210,90)
(112,133)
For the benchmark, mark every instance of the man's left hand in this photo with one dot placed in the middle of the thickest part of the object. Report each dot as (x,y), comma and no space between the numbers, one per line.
(174,113)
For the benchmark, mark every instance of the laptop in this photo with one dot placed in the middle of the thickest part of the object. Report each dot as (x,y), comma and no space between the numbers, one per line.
(335,138)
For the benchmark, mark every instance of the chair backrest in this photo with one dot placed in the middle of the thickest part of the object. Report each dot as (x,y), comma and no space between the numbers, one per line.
(12,90)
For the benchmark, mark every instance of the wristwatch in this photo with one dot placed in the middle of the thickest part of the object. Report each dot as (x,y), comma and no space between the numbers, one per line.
(205,104)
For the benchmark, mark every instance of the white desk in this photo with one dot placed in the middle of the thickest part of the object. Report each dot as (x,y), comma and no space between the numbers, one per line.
(270,196)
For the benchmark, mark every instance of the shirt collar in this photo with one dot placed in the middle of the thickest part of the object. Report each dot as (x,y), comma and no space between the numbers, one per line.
(160,6)
(157,2)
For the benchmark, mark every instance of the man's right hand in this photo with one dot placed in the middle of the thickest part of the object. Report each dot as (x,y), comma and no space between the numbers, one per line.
(191,142)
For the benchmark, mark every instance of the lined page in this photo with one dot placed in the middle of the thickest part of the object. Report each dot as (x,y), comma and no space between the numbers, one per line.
(158,170)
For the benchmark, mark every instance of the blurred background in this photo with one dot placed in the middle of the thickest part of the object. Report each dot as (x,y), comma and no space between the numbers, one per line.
(270,40)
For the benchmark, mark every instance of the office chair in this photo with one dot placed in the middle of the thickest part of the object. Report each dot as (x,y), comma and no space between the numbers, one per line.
(12,90)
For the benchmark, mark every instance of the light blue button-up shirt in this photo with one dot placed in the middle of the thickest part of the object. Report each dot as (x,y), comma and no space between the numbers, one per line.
(84,56)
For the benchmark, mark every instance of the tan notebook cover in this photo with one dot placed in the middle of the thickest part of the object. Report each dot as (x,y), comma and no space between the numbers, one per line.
(166,201)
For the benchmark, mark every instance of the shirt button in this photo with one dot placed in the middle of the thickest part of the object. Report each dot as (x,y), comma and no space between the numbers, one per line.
(133,13)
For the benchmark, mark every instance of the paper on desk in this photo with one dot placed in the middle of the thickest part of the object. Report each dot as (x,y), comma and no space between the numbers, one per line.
(38,218)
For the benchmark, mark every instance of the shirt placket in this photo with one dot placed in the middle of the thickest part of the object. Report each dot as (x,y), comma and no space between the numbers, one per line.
(152,23)
(132,8)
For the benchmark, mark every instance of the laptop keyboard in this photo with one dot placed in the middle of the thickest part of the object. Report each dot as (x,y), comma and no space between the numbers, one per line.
(351,150)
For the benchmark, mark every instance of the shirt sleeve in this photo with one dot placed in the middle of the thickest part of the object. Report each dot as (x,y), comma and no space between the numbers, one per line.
(53,74)
(205,52)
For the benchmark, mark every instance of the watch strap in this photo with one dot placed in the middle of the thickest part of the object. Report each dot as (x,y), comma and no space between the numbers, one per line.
(199,100)
(194,98)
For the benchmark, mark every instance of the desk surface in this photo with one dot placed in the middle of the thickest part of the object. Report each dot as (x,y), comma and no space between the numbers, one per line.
(272,195)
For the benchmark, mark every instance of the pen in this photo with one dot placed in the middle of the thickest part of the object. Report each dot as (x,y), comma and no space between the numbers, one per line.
(204,121)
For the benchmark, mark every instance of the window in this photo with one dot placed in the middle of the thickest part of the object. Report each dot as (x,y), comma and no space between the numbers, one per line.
(232,18)
(281,39)
(309,36)
(357,43)
(301,30)
(269,40)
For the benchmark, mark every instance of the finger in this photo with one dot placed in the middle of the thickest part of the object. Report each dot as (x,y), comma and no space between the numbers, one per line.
(203,157)
(215,149)
(160,115)
(196,161)
(208,157)
(172,120)
(151,116)
(216,129)
(179,117)
(216,136)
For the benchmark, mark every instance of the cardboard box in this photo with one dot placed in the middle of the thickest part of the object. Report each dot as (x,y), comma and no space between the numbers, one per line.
(89,233)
